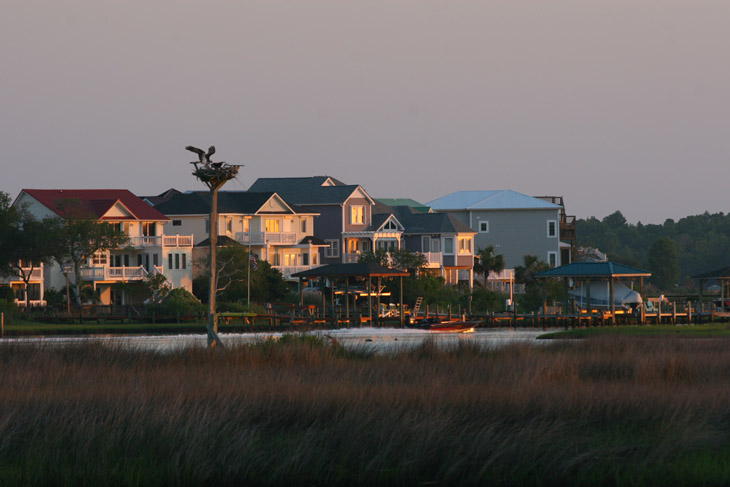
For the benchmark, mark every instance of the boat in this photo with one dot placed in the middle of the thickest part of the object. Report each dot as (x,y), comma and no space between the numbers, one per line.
(439,325)
(600,296)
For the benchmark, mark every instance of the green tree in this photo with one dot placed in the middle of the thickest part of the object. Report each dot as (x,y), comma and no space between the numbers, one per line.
(664,263)
(81,236)
(486,261)
(267,283)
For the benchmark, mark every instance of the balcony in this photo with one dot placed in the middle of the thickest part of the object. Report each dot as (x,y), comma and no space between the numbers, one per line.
(113,273)
(161,241)
(266,238)
(434,259)
(177,241)
(35,275)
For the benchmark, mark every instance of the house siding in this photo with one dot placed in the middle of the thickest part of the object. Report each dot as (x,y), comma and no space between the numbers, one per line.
(516,233)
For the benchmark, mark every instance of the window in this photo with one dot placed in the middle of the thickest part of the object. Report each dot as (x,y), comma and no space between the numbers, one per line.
(357,215)
(246,225)
(207,227)
(333,250)
(484,226)
(272,225)
(184,261)
(169,261)
(465,245)
(155,259)
(552,228)
(290,260)
(148,229)
(449,246)
(177,261)
(305,259)
(123,227)
(177,223)
(387,244)
(229,225)
(303,225)
(552,258)
(99,258)
(390,226)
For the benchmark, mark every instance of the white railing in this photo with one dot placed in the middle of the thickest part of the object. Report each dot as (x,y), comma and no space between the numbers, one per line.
(434,258)
(266,238)
(35,275)
(146,241)
(177,241)
(113,273)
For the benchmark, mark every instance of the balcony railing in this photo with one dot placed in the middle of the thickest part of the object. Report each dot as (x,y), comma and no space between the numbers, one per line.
(434,258)
(177,241)
(113,273)
(266,238)
(147,241)
(35,275)
(162,241)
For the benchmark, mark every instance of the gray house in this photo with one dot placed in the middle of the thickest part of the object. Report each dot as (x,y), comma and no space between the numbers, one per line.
(515,224)
(344,214)
(446,242)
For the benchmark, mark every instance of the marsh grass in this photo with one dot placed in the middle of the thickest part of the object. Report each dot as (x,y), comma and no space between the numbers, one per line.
(604,411)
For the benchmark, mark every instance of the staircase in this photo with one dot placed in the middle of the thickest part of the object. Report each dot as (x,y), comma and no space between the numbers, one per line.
(417,307)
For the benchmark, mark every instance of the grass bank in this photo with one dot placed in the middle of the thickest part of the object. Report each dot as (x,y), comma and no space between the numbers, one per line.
(604,411)
(688,331)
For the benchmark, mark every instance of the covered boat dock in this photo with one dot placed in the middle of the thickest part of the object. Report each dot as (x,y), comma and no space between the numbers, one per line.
(345,272)
(586,274)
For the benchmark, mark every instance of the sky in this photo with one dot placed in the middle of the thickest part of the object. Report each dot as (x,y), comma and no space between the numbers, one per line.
(612,104)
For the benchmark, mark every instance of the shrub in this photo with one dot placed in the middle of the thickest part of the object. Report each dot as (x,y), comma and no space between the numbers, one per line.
(181,301)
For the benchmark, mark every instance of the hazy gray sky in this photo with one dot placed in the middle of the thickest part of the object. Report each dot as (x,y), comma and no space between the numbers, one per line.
(613,104)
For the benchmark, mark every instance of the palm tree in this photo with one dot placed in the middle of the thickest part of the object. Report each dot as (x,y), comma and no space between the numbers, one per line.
(486,261)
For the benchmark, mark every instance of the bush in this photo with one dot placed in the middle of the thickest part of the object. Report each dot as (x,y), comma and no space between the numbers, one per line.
(181,301)
(7,300)
(54,297)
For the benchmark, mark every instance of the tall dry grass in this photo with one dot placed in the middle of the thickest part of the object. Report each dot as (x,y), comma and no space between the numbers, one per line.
(613,411)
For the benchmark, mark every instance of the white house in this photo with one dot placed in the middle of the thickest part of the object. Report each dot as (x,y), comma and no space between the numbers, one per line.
(151,248)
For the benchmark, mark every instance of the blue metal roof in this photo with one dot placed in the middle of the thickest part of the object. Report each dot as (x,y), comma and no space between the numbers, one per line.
(505,199)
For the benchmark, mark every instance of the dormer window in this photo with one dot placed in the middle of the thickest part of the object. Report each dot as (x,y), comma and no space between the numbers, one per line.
(390,226)
(357,215)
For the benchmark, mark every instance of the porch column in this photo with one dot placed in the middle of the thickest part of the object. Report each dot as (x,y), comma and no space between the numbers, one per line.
(370,299)
(613,305)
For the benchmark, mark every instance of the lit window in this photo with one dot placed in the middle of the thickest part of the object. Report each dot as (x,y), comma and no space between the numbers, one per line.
(99,258)
(465,245)
(357,215)
(272,225)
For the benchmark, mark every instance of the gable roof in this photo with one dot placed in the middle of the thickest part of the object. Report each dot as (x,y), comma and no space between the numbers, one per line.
(241,202)
(97,202)
(317,190)
(427,223)
(505,199)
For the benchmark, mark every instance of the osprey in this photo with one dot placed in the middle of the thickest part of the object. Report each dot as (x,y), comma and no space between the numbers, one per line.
(204,158)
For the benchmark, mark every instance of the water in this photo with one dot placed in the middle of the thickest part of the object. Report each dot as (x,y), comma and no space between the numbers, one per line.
(380,340)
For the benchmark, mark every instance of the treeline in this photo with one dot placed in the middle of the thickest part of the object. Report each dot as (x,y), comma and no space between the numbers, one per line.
(672,251)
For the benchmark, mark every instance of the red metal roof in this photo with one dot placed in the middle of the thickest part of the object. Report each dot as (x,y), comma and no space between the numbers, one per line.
(98,201)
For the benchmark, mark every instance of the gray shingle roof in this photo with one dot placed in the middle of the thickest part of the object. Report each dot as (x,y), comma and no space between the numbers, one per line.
(426,223)
(198,203)
(306,191)
(489,200)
